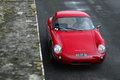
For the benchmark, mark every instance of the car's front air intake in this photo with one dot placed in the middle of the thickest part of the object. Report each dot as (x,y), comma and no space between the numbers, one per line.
(81,63)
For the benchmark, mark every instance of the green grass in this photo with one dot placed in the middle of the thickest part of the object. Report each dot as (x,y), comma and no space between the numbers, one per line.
(33,7)
(16,77)
(1,77)
(35,47)
(1,36)
(1,55)
(35,31)
(29,65)
(16,58)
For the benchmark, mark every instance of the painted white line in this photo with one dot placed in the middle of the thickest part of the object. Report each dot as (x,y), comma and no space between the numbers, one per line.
(83,9)
(77,5)
(91,1)
(41,58)
(74,2)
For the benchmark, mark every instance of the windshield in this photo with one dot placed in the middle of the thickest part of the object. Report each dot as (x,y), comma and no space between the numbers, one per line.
(73,24)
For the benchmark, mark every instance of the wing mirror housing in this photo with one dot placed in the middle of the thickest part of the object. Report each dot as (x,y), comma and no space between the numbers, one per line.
(98,27)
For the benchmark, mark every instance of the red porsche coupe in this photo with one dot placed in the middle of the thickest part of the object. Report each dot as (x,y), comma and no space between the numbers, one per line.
(74,40)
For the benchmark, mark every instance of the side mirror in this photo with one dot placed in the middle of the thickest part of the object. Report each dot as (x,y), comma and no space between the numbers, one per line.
(98,27)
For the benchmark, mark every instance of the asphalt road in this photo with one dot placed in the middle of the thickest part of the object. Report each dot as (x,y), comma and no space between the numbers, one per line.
(104,12)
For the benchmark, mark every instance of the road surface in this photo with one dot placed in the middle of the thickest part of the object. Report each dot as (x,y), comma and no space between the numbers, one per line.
(103,12)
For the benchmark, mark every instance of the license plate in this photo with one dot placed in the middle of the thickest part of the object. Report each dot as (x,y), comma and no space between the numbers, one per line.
(81,54)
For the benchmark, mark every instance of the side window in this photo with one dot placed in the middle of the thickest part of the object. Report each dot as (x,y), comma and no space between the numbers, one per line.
(53,21)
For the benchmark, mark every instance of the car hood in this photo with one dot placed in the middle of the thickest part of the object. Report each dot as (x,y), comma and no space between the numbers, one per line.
(78,41)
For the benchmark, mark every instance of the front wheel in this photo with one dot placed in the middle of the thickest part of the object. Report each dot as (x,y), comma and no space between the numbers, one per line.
(51,52)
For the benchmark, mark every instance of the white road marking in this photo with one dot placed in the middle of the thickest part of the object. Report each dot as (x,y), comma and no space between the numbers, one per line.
(91,1)
(41,58)
(77,5)
(82,9)
(74,2)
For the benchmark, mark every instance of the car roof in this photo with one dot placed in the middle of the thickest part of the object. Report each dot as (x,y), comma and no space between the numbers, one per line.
(71,13)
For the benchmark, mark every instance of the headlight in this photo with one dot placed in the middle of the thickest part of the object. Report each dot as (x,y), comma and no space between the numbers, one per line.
(57,48)
(101,48)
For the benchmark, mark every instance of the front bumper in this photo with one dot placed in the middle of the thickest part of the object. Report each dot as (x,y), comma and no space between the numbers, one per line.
(80,60)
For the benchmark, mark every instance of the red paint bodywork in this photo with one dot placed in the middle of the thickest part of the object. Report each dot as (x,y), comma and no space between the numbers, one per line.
(73,42)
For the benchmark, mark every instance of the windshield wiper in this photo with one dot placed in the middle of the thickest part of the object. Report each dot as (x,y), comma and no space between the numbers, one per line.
(66,29)
(74,29)
(71,28)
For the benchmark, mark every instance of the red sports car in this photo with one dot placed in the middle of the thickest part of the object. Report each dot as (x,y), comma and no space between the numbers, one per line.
(74,40)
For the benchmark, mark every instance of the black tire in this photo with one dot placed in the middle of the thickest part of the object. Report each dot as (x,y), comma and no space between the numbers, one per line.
(51,52)
(47,39)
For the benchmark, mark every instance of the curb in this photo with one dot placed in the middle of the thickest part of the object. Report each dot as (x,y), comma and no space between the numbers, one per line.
(41,58)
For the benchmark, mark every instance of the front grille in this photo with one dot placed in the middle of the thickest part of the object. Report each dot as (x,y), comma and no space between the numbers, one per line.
(81,63)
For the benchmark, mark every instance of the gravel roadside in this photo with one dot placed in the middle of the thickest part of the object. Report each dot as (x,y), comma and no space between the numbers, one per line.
(19,43)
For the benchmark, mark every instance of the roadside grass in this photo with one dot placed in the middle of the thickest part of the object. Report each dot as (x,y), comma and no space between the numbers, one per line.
(9,15)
